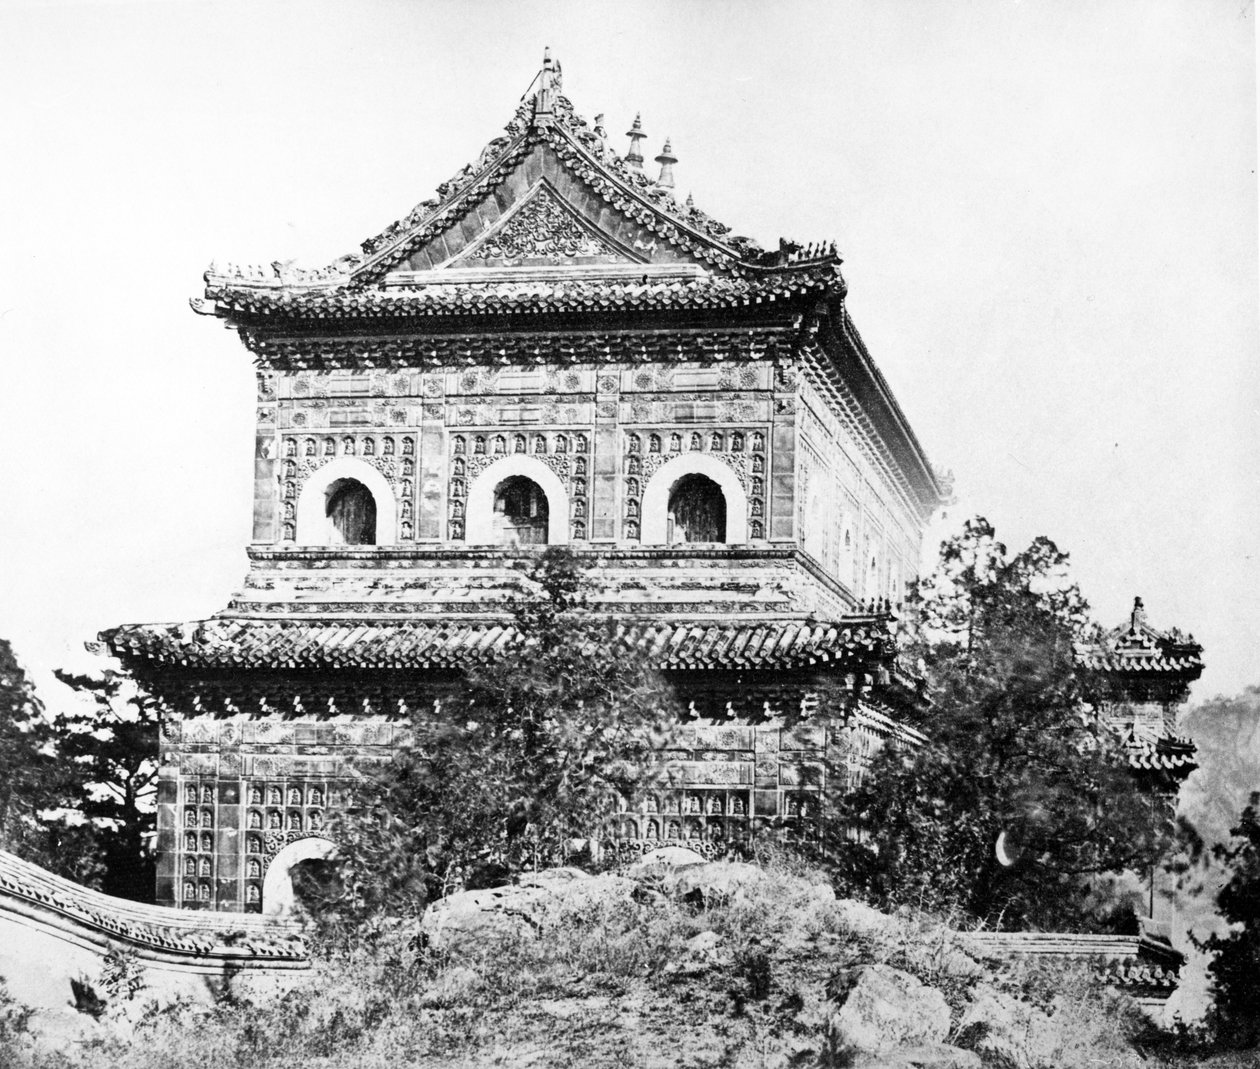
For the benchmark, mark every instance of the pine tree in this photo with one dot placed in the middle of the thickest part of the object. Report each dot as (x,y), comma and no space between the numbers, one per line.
(35,786)
(529,756)
(111,747)
(1016,749)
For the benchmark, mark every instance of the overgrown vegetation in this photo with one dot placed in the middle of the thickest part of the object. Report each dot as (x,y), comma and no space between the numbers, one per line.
(1235,968)
(1016,749)
(602,984)
(514,772)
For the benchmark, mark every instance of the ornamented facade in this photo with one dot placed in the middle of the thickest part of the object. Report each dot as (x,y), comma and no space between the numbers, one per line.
(554,350)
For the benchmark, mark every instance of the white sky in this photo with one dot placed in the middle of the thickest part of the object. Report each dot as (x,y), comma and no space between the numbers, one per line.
(1047,209)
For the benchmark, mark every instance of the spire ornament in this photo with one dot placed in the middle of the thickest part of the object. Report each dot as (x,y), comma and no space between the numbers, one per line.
(666,159)
(634,158)
(549,84)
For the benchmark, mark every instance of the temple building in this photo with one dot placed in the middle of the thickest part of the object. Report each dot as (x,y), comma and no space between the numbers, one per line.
(555,350)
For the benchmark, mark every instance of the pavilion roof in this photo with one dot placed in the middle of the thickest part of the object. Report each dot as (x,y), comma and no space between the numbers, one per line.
(245,643)
(1136,648)
(621,239)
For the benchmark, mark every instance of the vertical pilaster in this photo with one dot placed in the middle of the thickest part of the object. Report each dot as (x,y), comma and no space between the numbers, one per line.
(265,487)
(431,464)
(783,471)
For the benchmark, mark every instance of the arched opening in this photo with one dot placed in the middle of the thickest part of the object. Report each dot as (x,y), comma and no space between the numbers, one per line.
(303,870)
(351,511)
(521,512)
(697,511)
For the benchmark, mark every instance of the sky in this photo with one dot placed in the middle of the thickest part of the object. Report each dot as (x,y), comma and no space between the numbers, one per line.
(1047,212)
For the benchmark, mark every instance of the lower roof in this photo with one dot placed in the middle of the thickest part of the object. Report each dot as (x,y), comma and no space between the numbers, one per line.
(268,644)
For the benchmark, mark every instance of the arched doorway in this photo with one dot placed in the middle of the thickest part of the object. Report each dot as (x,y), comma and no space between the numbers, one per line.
(697,511)
(351,511)
(521,512)
(302,864)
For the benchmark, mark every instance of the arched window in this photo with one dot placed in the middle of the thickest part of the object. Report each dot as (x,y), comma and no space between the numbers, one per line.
(351,511)
(520,512)
(697,511)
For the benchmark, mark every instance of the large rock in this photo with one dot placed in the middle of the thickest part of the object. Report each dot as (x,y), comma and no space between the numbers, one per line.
(719,882)
(519,911)
(1001,1027)
(664,862)
(885,1008)
(862,920)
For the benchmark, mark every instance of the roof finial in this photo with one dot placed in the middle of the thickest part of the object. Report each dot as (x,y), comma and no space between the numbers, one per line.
(666,159)
(634,158)
(548,84)
(1138,618)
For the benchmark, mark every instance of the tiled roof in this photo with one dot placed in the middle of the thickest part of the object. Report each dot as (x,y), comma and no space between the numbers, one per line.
(577,347)
(1137,648)
(1138,963)
(330,644)
(734,270)
(535,295)
(1170,753)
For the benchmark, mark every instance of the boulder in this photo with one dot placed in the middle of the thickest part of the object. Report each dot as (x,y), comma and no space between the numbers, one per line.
(716,882)
(466,918)
(862,920)
(519,911)
(1002,1027)
(884,1008)
(663,861)
(702,952)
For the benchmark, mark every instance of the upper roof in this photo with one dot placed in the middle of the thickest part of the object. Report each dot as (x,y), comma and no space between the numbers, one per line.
(1136,648)
(547,218)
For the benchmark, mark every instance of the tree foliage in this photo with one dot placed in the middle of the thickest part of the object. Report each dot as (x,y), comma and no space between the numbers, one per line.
(37,789)
(1015,749)
(524,759)
(111,747)
(1235,967)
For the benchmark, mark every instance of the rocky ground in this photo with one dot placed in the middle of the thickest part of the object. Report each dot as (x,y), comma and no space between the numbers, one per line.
(672,963)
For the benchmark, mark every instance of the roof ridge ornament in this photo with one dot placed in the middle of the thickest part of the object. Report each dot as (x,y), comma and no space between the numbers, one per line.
(550,81)
(634,158)
(666,159)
